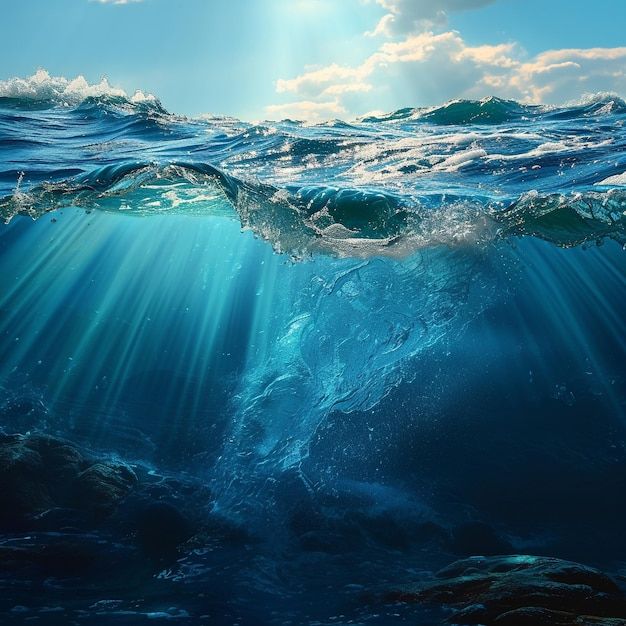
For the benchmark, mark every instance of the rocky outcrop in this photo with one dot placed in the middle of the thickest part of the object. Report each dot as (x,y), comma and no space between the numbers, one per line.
(104,484)
(522,591)
(39,473)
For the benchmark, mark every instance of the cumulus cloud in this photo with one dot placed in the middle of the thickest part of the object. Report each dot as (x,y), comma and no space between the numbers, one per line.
(407,16)
(343,78)
(557,76)
(439,66)
(429,68)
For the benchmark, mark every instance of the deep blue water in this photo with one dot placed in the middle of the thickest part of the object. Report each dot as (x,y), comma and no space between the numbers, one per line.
(358,337)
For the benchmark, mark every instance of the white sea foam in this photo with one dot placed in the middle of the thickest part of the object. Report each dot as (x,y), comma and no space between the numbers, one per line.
(617,179)
(42,87)
(460,159)
(600,97)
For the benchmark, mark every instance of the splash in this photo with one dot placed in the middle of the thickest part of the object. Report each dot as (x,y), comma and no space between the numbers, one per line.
(42,89)
(319,219)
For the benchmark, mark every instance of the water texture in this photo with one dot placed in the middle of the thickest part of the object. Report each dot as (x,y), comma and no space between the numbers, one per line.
(345,353)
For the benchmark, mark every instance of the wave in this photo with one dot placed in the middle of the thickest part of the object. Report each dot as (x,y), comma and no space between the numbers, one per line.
(436,188)
(42,90)
(341,221)
(567,220)
(490,110)
(494,110)
(463,173)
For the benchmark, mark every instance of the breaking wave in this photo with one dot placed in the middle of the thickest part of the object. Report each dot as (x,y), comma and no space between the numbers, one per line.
(465,172)
(41,89)
(343,221)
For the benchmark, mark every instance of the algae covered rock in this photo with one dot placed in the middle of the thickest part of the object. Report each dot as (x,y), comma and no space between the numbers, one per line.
(522,590)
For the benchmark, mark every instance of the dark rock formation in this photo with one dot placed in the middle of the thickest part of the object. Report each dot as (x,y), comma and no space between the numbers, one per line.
(39,473)
(104,484)
(522,591)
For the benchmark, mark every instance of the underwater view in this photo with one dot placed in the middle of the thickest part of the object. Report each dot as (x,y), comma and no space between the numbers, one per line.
(368,370)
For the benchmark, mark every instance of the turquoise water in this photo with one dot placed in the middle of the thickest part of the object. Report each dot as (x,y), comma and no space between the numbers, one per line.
(347,332)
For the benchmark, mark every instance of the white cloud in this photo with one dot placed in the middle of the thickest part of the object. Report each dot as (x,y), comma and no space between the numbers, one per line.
(407,16)
(331,76)
(430,68)
(557,76)
(307,110)
(438,65)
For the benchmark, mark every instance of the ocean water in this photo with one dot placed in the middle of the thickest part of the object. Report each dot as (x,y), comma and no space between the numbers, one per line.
(351,351)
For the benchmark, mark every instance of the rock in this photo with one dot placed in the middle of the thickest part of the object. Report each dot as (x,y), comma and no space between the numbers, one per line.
(39,473)
(22,489)
(535,616)
(57,455)
(102,485)
(521,591)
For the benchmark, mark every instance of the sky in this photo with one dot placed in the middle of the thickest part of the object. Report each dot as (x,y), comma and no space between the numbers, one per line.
(318,59)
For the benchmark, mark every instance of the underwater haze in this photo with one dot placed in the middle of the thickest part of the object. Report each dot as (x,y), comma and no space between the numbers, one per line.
(285,369)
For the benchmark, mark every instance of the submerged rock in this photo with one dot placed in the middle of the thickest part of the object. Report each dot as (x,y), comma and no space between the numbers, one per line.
(102,485)
(39,473)
(22,489)
(522,591)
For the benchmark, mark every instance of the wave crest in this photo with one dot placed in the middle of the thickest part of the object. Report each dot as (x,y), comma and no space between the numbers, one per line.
(341,221)
(387,185)
(41,88)
(494,111)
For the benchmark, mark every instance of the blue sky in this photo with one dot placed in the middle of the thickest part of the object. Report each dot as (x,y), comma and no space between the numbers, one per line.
(322,58)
